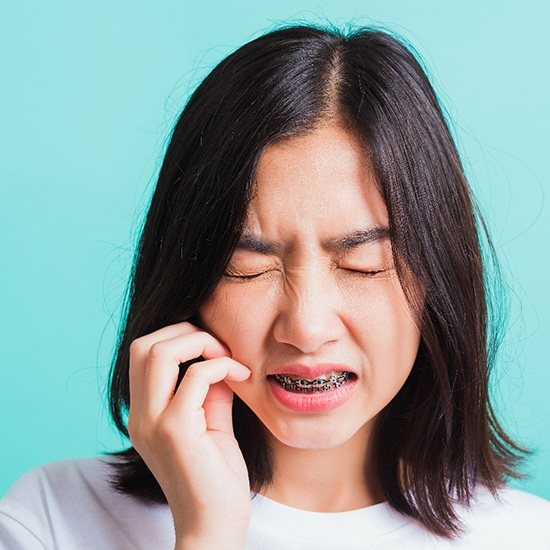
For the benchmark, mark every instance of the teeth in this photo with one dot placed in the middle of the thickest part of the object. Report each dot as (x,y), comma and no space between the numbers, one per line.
(325,382)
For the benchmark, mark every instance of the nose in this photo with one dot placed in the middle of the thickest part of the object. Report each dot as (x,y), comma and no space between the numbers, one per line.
(308,317)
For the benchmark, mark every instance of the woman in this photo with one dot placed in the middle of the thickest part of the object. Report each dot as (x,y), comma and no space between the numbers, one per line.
(308,319)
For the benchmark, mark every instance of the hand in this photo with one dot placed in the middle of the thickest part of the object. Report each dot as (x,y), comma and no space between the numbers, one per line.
(186,436)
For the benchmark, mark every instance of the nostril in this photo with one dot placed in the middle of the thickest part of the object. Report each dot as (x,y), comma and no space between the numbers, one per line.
(308,331)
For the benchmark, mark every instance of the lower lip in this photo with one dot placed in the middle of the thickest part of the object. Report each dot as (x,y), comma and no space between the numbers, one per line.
(312,402)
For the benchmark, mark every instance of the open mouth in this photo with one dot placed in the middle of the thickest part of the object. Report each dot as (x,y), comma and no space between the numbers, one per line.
(324,383)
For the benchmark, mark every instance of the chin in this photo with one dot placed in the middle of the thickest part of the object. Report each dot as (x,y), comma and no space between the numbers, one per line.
(352,421)
(314,434)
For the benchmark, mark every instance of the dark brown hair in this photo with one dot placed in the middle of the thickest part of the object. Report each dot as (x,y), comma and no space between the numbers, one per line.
(438,439)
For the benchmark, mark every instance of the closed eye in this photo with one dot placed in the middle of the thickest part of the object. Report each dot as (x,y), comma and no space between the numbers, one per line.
(244,277)
(366,273)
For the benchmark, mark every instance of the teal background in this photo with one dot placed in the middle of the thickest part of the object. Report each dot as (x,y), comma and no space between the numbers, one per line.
(89,91)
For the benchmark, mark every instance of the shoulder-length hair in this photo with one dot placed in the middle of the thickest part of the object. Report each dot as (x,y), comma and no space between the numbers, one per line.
(438,439)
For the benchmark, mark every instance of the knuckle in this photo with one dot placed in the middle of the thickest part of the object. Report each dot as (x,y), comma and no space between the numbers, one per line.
(194,371)
(136,347)
(157,350)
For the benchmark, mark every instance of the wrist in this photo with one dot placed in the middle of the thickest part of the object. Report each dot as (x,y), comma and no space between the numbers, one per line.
(218,541)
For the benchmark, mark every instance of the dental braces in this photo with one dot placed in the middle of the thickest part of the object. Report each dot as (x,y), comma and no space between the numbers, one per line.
(319,384)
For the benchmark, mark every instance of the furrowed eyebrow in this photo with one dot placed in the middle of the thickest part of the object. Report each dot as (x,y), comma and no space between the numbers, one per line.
(248,242)
(353,240)
(347,242)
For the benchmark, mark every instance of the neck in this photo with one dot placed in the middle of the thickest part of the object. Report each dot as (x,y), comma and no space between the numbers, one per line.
(324,480)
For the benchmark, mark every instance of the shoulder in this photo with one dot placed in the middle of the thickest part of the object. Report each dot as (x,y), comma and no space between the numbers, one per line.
(65,482)
(59,474)
(510,502)
(56,482)
(510,517)
(71,504)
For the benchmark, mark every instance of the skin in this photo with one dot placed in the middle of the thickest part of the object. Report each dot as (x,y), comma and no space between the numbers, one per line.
(306,291)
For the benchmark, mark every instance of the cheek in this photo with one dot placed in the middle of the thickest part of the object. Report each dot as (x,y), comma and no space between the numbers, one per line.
(387,331)
(399,331)
(232,315)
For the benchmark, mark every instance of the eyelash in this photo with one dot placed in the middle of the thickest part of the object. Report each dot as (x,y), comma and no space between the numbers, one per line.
(256,275)
(244,277)
(366,273)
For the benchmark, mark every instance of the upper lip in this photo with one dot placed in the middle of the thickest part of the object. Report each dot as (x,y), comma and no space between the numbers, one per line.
(310,371)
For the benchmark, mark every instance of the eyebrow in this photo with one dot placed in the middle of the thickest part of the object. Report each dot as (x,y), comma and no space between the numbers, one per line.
(357,238)
(248,242)
(346,242)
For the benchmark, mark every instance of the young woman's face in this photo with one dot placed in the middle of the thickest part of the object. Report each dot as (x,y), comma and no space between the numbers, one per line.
(311,302)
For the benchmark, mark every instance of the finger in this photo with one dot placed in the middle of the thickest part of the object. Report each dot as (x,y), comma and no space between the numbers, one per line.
(139,352)
(218,408)
(194,398)
(162,368)
(141,346)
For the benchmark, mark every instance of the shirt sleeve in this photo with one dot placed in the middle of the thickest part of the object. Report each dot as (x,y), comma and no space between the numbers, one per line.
(14,535)
(24,519)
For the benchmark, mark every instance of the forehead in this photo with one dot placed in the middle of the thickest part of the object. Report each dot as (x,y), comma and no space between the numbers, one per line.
(321,180)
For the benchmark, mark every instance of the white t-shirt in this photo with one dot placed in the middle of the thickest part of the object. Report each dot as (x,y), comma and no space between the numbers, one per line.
(70,505)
